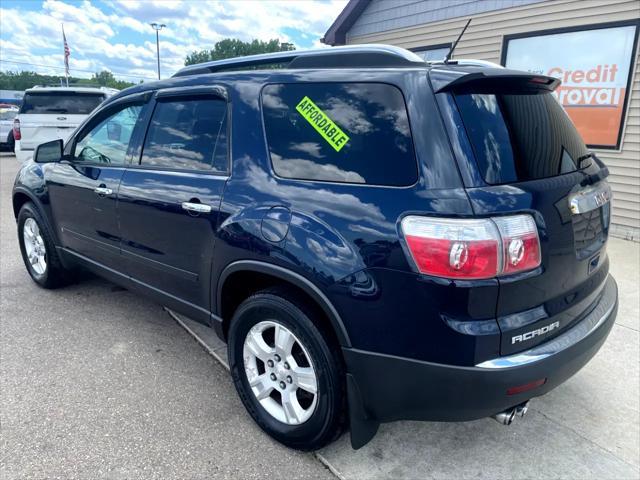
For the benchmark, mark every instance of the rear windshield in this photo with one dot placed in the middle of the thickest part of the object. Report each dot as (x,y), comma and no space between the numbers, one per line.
(339,132)
(61,102)
(520,137)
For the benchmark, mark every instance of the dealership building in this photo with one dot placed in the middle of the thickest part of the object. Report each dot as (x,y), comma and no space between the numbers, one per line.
(591,45)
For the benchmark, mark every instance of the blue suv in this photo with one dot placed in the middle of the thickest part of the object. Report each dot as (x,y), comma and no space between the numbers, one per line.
(376,238)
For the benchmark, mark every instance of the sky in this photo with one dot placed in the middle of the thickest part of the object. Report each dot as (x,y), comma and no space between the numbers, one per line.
(116,35)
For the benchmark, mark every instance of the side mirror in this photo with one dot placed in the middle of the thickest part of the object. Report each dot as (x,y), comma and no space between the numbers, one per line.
(114,131)
(48,152)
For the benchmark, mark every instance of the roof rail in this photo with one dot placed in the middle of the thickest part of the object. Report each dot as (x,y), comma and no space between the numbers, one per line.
(95,86)
(50,85)
(336,57)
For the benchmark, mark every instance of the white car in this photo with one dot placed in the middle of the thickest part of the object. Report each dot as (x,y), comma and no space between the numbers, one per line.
(50,113)
(7,115)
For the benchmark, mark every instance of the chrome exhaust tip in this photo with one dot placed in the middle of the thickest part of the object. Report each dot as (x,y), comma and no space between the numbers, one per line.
(522,409)
(508,416)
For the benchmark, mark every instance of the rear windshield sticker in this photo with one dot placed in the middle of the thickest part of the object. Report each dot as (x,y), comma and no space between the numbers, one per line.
(322,123)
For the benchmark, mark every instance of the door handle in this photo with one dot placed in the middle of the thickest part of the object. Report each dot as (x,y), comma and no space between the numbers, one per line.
(103,191)
(196,207)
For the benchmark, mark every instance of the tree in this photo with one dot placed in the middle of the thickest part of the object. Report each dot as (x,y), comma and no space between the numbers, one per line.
(232,47)
(23,80)
(106,79)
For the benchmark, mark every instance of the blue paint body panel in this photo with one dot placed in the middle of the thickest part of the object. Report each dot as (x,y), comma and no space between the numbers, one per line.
(339,242)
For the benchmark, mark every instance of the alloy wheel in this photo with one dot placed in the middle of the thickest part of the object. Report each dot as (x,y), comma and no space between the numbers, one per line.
(280,372)
(34,246)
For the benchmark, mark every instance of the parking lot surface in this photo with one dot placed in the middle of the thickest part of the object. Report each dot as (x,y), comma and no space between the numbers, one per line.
(97,382)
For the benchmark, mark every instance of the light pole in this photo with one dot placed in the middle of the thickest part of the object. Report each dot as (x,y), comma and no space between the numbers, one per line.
(157,27)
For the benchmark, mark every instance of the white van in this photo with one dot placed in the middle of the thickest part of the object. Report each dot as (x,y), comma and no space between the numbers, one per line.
(49,113)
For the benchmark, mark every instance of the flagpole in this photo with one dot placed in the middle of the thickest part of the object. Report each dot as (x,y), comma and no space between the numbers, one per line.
(66,57)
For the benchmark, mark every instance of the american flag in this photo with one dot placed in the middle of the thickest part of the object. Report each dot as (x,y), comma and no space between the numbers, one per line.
(67,53)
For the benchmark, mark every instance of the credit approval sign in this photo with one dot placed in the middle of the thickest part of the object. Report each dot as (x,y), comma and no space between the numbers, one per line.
(594,67)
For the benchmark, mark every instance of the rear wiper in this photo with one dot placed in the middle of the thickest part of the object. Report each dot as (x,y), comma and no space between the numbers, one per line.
(590,179)
(581,159)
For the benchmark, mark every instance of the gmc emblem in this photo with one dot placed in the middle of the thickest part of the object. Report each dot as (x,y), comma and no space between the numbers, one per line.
(535,333)
(601,198)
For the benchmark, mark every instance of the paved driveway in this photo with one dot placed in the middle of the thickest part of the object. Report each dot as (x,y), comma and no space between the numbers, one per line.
(97,382)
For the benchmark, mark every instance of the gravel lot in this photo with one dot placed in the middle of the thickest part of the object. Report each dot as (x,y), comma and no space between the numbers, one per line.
(96,382)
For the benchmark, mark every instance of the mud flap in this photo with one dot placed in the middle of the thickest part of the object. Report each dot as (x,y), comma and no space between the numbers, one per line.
(363,427)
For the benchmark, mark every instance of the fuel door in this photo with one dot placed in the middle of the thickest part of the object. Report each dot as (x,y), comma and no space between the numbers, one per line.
(275,224)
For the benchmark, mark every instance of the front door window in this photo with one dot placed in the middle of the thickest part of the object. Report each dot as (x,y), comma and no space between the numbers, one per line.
(108,141)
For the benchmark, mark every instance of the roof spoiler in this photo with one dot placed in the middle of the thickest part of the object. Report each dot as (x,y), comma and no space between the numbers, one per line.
(479,80)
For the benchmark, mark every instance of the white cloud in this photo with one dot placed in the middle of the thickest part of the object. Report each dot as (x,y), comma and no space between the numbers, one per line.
(117,37)
(86,16)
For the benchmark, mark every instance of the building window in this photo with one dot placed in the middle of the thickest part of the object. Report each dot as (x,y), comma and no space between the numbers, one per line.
(594,64)
(434,53)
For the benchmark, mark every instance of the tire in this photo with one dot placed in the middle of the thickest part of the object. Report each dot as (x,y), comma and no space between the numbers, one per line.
(50,273)
(11,143)
(318,418)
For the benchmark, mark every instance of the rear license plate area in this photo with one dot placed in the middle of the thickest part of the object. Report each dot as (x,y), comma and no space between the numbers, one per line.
(590,231)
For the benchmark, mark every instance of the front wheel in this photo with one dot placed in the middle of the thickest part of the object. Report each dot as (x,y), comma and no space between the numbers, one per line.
(38,249)
(288,374)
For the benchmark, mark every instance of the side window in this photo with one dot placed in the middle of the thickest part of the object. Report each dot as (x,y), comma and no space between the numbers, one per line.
(339,132)
(108,141)
(188,134)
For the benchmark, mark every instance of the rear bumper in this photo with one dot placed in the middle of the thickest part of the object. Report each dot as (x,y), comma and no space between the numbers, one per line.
(394,388)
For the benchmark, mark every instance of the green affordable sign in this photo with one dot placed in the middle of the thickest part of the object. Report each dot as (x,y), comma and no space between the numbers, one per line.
(322,123)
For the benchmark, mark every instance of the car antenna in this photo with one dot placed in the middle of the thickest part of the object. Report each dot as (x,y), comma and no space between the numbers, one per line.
(455,44)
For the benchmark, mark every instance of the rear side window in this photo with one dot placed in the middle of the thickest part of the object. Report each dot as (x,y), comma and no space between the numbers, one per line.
(188,134)
(520,137)
(72,103)
(339,132)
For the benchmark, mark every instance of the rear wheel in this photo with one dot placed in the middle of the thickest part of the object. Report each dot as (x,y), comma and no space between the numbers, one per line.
(11,143)
(287,373)
(38,250)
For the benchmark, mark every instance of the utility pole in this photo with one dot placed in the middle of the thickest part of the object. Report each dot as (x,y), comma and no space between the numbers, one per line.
(157,27)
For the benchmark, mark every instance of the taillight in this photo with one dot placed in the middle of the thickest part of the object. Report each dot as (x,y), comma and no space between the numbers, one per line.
(16,129)
(453,248)
(520,244)
(472,248)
